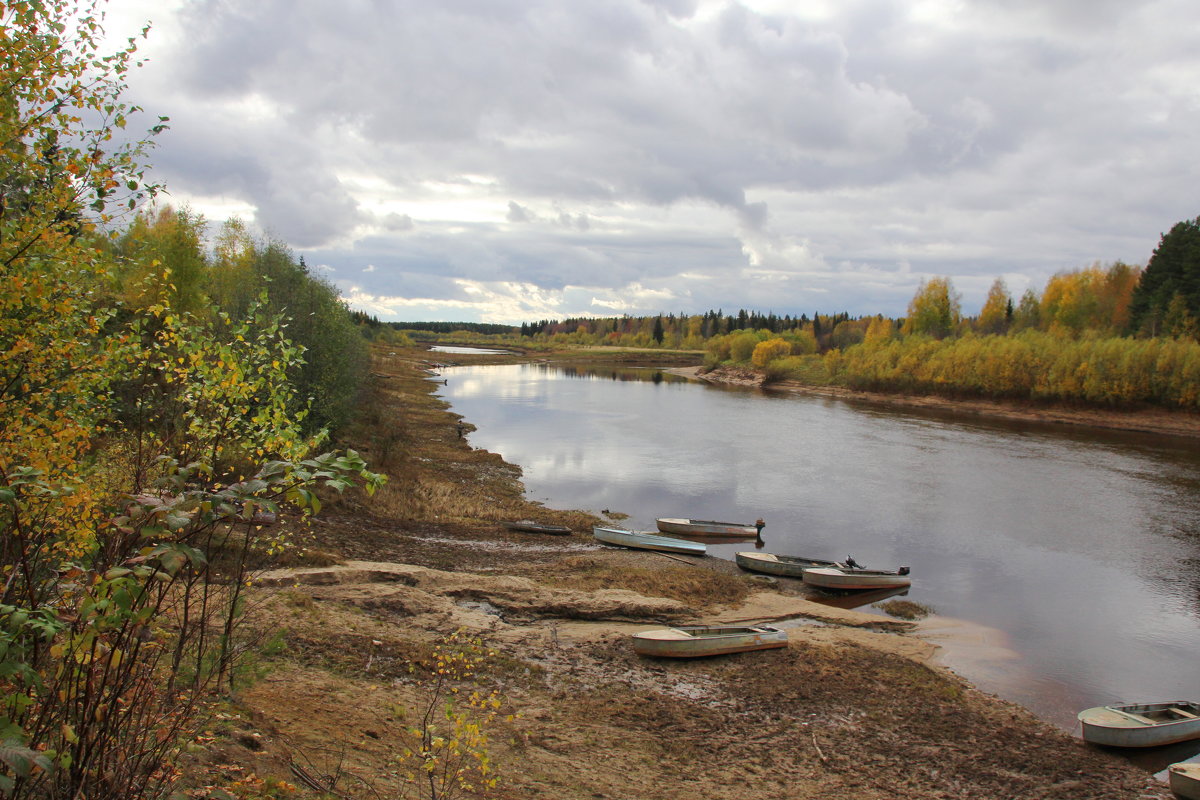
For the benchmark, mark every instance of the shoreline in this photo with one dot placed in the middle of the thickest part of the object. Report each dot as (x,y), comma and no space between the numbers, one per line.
(1160,422)
(430,554)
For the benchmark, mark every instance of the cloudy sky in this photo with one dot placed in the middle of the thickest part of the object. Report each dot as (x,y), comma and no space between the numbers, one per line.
(513,160)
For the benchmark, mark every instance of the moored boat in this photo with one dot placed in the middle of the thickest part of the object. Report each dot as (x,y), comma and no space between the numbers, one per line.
(1141,724)
(1184,780)
(774,564)
(851,578)
(647,541)
(529,526)
(702,640)
(708,527)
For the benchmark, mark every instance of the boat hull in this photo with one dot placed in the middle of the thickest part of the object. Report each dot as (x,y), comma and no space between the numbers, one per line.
(835,578)
(1184,780)
(1143,725)
(700,641)
(647,541)
(784,566)
(705,527)
(528,526)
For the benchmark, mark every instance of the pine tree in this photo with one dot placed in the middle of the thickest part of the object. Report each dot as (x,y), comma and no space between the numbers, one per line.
(1174,269)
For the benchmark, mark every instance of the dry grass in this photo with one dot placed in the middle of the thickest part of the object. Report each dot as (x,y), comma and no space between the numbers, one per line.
(407,432)
(693,585)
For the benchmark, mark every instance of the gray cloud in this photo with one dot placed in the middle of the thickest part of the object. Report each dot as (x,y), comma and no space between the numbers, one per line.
(685,150)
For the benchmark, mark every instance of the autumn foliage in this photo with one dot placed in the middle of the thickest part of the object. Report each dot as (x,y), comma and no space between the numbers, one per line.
(144,441)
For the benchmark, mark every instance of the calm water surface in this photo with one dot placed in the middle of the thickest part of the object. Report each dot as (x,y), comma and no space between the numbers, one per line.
(1064,566)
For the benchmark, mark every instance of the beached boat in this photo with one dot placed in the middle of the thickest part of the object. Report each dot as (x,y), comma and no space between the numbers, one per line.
(529,526)
(708,527)
(640,540)
(850,578)
(1184,780)
(695,641)
(773,564)
(1141,725)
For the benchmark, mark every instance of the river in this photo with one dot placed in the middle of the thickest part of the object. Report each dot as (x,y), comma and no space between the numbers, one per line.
(1063,565)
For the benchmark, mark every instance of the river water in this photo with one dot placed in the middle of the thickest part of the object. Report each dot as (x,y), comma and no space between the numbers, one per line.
(1063,565)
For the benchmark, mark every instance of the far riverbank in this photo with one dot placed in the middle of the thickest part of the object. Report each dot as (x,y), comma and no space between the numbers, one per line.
(1156,421)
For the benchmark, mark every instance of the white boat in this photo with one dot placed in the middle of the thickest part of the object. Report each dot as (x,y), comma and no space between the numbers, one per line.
(851,578)
(647,541)
(702,640)
(786,566)
(1184,780)
(708,527)
(1142,724)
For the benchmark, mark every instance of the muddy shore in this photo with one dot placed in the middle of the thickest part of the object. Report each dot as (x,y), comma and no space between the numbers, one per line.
(855,708)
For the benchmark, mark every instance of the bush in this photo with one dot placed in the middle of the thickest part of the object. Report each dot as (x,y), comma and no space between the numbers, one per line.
(768,351)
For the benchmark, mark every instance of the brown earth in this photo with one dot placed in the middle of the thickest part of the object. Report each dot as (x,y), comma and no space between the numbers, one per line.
(852,709)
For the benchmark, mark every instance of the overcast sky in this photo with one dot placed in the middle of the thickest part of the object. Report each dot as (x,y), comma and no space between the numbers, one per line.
(513,160)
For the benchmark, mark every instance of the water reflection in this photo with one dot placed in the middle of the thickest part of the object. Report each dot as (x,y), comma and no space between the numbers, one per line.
(1078,547)
(849,600)
(477,351)
(743,540)
(592,372)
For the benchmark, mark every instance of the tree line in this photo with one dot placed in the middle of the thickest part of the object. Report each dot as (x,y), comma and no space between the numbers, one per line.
(1115,335)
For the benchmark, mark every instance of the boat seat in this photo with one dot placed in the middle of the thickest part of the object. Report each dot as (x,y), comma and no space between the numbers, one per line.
(1183,714)
(1134,717)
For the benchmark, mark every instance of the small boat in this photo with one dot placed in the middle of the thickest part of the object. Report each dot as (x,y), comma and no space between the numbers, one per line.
(529,526)
(1141,725)
(700,640)
(772,564)
(708,527)
(640,540)
(1184,779)
(845,577)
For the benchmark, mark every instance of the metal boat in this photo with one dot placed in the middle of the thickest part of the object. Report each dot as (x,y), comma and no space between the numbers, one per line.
(1184,779)
(709,527)
(773,564)
(851,578)
(640,540)
(529,526)
(1142,724)
(700,640)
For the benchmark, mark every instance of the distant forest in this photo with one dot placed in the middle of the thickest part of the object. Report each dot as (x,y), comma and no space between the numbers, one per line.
(1117,335)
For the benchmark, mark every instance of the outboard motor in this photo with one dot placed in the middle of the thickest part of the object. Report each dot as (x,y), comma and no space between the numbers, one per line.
(852,564)
(903,571)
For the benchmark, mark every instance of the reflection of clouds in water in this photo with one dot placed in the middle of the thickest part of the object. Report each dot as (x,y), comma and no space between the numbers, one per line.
(477,351)
(467,388)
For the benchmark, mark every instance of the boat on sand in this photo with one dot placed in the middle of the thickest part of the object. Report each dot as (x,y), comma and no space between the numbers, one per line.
(845,577)
(709,527)
(773,564)
(1141,724)
(640,540)
(702,640)
(1184,780)
(529,526)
